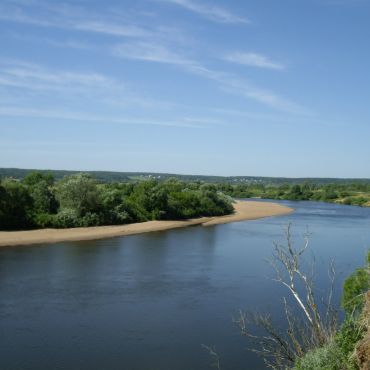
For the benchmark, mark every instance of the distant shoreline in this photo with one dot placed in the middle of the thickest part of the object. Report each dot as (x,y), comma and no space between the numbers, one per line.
(244,210)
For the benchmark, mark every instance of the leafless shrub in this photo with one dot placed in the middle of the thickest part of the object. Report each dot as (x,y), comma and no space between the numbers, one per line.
(314,327)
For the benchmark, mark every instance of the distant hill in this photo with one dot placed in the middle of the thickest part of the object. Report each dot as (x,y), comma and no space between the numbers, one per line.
(109,176)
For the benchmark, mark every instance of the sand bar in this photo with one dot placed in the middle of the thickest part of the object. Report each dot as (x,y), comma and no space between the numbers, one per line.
(244,210)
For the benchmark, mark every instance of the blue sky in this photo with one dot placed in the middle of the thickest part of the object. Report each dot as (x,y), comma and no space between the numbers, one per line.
(238,87)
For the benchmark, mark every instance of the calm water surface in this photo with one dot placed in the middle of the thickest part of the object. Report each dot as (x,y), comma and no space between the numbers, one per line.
(150,301)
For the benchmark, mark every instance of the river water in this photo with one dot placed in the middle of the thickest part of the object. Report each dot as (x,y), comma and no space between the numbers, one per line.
(149,302)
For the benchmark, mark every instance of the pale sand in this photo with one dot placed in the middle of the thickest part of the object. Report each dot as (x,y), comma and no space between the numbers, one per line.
(244,210)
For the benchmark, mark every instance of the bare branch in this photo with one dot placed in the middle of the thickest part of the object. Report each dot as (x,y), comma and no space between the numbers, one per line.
(304,332)
(214,355)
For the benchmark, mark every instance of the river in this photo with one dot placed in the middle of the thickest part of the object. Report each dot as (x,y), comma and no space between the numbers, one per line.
(149,302)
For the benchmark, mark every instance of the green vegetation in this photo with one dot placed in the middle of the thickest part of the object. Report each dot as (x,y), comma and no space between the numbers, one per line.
(354,288)
(329,357)
(350,193)
(338,353)
(108,176)
(80,200)
(343,191)
(312,340)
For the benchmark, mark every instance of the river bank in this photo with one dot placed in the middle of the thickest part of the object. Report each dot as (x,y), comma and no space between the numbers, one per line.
(244,210)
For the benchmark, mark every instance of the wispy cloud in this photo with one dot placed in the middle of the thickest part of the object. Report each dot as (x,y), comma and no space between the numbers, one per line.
(345,2)
(70,18)
(111,29)
(253,60)
(15,73)
(150,52)
(226,81)
(82,20)
(16,111)
(21,81)
(143,43)
(209,11)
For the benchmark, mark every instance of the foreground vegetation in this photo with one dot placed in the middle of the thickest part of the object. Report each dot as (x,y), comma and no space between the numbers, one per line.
(312,340)
(347,350)
(313,337)
(37,201)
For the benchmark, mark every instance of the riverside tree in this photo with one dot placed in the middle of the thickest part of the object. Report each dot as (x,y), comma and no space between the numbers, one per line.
(80,200)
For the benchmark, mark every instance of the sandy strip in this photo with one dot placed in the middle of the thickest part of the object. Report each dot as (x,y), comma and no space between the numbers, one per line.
(244,210)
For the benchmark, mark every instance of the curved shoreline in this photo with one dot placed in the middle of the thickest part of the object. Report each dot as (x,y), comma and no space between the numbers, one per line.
(244,210)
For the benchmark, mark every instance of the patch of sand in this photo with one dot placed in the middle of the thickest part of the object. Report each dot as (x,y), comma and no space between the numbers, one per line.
(244,210)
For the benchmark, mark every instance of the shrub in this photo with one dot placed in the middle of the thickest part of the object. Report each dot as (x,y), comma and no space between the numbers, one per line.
(328,357)
(323,358)
(351,332)
(66,218)
(336,355)
(353,289)
(44,220)
(90,219)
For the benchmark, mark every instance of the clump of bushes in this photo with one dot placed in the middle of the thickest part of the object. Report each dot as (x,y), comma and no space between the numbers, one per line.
(329,357)
(80,201)
(338,354)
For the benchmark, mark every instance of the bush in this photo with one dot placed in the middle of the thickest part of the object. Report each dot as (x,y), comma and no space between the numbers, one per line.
(353,289)
(336,355)
(44,220)
(66,218)
(90,219)
(328,357)
(319,358)
(350,333)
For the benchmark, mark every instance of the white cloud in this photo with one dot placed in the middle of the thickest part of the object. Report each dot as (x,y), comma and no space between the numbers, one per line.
(228,82)
(70,18)
(151,52)
(21,81)
(253,60)
(209,11)
(111,29)
(145,44)
(16,111)
(15,73)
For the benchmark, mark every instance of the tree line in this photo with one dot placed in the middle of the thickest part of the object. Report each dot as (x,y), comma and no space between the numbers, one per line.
(79,200)
(109,176)
(351,194)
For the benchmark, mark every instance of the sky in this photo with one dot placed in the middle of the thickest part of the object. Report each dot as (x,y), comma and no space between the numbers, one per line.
(232,87)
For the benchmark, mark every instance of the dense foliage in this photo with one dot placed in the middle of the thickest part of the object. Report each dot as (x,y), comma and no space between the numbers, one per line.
(80,200)
(357,193)
(354,288)
(343,191)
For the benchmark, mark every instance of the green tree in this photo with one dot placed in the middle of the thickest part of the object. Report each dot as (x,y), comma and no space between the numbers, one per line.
(36,177)
(43,199)
(79,193)
(15,206)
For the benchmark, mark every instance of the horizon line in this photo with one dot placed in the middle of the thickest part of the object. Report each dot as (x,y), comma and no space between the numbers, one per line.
(187,174)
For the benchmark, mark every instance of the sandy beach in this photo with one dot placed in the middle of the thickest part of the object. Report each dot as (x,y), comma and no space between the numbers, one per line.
(244,210)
